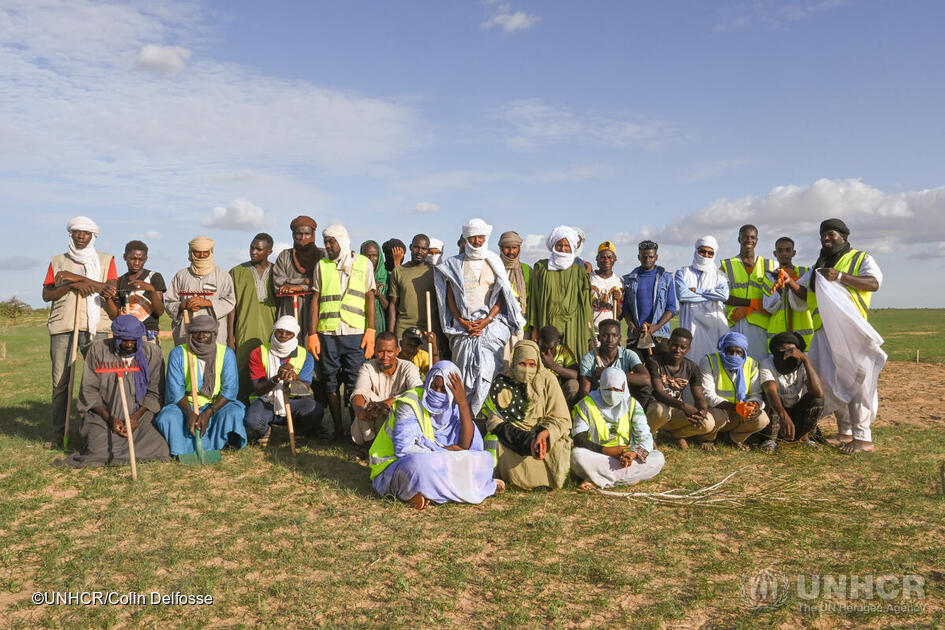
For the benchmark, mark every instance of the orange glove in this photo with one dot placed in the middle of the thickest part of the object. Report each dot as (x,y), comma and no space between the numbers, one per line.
(756,307)
(739,313)
(367,342)
(746,408)
(314,345)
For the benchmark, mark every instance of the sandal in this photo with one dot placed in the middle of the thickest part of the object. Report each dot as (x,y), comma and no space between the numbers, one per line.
(418,501)
(769,447)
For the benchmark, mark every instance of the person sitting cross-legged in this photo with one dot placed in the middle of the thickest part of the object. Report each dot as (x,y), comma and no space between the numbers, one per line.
(220,416)
(429,449)
(282,363)
(560,360)
(793,390)
(612,441)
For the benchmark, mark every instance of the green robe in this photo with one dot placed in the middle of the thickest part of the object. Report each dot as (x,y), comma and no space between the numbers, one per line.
(254,320)
(562,299)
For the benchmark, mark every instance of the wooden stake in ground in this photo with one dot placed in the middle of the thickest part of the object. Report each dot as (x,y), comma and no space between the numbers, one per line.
(429,329)
(288,418)
(72,362)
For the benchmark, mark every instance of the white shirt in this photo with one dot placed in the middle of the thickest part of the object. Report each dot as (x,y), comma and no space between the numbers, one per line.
(790,386)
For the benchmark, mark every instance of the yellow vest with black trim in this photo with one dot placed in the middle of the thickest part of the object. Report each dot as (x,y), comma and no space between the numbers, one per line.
(218,374)
(599,431)
(381,454)
(749,286)
(786,318)
(297,362)
(849,264)
(724,386)
(333,307)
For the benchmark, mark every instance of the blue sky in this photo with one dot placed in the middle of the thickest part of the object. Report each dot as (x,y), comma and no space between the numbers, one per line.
(163,120)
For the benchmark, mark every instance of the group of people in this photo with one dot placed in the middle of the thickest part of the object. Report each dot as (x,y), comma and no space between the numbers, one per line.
(463,373)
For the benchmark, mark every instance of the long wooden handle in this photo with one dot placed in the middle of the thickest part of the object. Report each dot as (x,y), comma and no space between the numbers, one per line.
(131,439)
(429,329)
(295,306)
(192,368)
(72,362)
(288,417)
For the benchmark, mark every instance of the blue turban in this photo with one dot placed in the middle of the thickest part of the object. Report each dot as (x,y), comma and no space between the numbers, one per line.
(735,362)
(130,328)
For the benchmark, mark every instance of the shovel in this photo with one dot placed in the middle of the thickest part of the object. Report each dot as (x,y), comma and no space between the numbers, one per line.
(200,456)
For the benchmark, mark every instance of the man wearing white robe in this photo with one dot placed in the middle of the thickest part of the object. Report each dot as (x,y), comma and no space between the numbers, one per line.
(478,310)
(702,289)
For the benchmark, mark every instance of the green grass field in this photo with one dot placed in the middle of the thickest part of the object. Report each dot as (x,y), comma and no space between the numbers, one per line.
(311,546)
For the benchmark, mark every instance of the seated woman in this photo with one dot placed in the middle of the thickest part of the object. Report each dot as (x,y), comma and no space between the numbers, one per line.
(612,440)
(527,413)
(429,449)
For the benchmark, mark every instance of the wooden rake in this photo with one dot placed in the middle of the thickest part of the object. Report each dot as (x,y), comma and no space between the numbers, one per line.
(119,369)
(190,294)
(295,295)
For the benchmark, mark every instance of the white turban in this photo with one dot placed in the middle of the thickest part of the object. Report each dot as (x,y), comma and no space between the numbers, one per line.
(476,227)
(560,261)
(340,234)
(83,224)
(92,268)
(705,264)
(434,259)
(278,351)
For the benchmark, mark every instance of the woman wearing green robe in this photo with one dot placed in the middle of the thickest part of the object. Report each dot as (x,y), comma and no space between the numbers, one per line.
(373,252)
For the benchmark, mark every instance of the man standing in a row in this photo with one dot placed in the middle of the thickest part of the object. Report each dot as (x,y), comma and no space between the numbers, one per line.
(292,273)
(249,325)
(76,283)
(342,317)
(746,281)
(204,286)
(408,287)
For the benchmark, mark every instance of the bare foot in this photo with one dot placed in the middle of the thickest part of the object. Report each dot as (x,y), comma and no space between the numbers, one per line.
(839,440)
(587,485)
(741,446)
(857,446)
(499,486)
(707,446)
(418,501)
(682,444)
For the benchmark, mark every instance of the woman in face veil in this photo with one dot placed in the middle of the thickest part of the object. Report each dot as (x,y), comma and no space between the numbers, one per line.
(447,461)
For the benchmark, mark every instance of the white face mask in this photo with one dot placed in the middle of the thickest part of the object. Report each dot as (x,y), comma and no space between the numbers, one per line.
(611,398)
(434,259)
(561,260)
(476,253)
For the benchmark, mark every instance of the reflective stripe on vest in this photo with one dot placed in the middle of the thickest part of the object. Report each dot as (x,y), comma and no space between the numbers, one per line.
(849,264)
(749,286)
(297,362)
(333,307)
(218,368)
(588,411)
(800,322)
(490,443)
(381,454)
(724,386)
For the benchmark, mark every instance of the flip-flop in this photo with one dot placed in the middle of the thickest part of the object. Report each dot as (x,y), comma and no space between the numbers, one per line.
(418,501)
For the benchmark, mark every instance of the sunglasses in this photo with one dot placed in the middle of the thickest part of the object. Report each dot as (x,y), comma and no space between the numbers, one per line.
(647,245)
(706,252)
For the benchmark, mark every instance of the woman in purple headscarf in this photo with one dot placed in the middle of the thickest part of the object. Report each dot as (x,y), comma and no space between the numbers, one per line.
(429,449)
(103,421)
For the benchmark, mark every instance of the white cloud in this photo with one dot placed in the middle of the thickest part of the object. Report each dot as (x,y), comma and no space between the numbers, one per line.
(708,170)
(279,246)
(503,17)
(535,123)
(881,222)
(426,207)
(239,215)
(533,247)
(152,234)
(163,60)
(773,12)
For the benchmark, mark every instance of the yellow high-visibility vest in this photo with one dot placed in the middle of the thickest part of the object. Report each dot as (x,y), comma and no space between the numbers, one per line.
(849,264)
(218,376)
(297,362)
(381,454)
(724,386)
(786,318)
(333,307)
(749,286)
(599,432)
